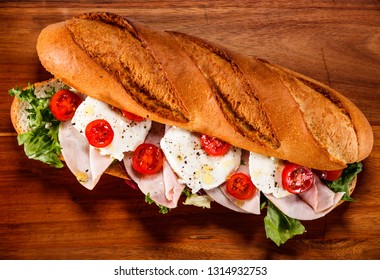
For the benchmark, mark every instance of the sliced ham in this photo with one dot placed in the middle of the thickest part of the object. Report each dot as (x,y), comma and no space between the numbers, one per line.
(218,196)
(310,205)
(251,205)
(88,165)
(173,189)
(319,196)
(163,187)
(84,161)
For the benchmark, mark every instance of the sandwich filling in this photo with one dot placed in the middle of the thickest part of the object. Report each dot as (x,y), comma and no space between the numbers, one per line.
(164,162)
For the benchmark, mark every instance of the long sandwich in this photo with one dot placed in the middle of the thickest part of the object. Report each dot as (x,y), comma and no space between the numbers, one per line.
(176,115)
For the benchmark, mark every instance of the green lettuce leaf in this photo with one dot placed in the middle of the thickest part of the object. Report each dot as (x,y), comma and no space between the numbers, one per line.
(343,183)
(41,141)
(279,227)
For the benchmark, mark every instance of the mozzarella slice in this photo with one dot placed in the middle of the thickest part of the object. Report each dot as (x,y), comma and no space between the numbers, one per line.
(193,165)
(266,174)
(127,134)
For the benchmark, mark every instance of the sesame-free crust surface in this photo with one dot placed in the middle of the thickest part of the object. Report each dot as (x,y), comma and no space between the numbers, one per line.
(46,214)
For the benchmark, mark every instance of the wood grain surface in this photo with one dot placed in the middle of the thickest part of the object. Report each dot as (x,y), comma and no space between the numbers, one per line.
(46,214)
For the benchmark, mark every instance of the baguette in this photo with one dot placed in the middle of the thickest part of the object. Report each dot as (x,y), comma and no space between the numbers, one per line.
(183,81)
(179,80)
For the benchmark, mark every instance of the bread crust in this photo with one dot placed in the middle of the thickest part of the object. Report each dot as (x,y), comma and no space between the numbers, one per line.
(15,116)
(283,129)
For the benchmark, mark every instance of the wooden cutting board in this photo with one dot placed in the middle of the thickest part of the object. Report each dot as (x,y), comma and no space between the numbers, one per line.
(46,214)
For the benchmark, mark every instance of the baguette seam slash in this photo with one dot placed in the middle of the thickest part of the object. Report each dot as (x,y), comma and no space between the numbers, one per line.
(335,156)
(335,101)
(143,94)
(244,127)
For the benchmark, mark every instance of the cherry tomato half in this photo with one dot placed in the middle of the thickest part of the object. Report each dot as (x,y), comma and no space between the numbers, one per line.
(297,178)
(329,175)
(147,159)
(63,104)
(240,186)
(99,133)
(213,146)
(131,116)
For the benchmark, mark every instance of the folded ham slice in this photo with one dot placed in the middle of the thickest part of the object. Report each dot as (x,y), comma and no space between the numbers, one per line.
(249,206)
(309,205)
(319,196)
(84,161)
(219,197)
(163,187)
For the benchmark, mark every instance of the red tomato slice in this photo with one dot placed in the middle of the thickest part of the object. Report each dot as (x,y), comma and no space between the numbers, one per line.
(99,133)
(297,178)
(131,116)
(63,104)
(240,186)
(147,159)
(329,175)
(213,146)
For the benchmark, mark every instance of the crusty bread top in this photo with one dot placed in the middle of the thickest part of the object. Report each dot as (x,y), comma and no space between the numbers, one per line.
(185,81)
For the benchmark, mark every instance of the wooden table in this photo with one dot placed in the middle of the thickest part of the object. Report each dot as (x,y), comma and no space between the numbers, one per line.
(46,214)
